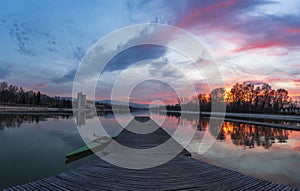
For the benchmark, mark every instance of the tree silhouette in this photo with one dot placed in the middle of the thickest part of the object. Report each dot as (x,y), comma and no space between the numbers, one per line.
(244,98)
(12,95)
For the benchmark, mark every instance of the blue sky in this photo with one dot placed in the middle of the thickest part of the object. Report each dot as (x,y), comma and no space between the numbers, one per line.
(43,42)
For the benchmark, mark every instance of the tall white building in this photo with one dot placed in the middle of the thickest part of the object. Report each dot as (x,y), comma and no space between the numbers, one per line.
(81,100)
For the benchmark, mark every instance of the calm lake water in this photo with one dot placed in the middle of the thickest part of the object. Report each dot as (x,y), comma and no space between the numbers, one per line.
(34,146)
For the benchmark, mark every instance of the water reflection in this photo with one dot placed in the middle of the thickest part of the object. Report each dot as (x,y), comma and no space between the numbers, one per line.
(251,136)
(33,153)
(34,147)
(244,135)
(82,115)
(263,152)
(12,121)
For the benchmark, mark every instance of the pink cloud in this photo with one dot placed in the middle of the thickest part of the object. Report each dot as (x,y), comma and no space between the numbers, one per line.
(262,45)
(296,80)
(41,85)
(195,16)
(293,30)
(252,32)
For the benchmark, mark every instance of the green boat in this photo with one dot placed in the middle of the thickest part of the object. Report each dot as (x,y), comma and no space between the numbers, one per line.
(95,146)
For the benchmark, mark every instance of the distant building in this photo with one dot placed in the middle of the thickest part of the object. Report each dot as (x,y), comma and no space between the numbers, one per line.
(81,100)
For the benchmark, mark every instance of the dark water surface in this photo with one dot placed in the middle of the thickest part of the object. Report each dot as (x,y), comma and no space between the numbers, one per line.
(34,146)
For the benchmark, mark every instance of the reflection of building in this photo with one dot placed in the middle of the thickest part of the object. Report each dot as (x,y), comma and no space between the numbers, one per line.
(81,100)
(80,117)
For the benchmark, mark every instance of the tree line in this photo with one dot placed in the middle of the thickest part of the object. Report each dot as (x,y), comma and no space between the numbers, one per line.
(14,95)
(242,98)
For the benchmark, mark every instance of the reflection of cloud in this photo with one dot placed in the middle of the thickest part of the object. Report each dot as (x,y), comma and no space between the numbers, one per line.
(296,146)
(258,164)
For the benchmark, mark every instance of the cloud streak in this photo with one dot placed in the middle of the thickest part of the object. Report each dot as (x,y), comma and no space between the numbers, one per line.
(133,55)
(68,77)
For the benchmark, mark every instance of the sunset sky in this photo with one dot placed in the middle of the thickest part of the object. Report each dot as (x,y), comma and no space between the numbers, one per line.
(43,42)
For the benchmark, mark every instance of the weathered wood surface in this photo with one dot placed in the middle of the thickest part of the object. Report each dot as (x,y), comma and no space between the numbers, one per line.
(180,173)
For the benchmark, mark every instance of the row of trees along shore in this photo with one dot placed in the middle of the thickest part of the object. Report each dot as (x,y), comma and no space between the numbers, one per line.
(17,96)
(242,98)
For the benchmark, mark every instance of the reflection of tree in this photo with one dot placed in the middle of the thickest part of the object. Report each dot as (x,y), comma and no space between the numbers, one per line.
(250,136)
(202,125)
(282,135)
(246,135)
(242,135)
(10,121)
(221,137)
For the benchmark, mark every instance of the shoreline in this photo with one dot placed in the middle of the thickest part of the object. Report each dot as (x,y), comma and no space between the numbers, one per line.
(247,118)
(204,113)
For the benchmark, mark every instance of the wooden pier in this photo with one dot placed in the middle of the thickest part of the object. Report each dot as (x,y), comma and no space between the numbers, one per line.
(180,173)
